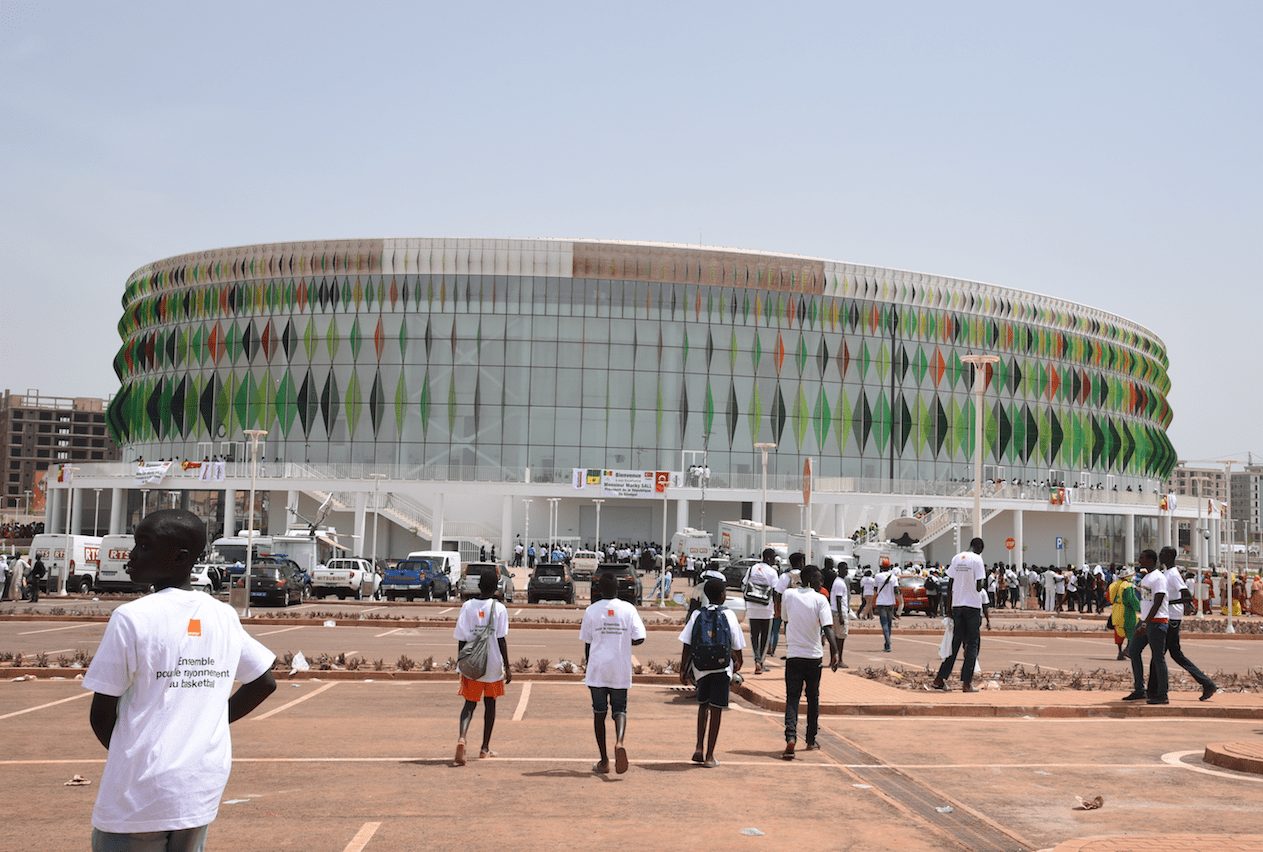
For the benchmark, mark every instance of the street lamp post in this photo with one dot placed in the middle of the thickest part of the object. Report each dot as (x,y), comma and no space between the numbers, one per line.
(255,435)
(526,532)
(377,479)
(64,574)
(598,525)
(763,520)
(1231,562)
(96,516)
(979,363)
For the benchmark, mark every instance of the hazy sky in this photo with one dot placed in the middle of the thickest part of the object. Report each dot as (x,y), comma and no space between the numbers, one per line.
(1105,153)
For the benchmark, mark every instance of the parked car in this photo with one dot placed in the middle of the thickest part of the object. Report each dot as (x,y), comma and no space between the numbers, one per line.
(629,585)
(415,578)
(734,572)
(276,581)
(346,577)
(583,565)
(207,577)
(470,580)
(551,581)
(912,587)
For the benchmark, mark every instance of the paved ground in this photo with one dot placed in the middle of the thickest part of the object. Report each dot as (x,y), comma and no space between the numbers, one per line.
(353,765)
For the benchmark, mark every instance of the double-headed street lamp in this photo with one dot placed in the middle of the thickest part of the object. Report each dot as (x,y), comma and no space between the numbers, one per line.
(763,520)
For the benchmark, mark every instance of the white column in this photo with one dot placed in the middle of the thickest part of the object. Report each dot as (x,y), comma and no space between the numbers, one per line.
(1164,530)
(118,507)
(438,521)
(54,512)
(1129,539)
(681,515)
(230,512)
(839,522)
(76,510)
(1018,537)
(505,550)
(1080,538)
(361,510)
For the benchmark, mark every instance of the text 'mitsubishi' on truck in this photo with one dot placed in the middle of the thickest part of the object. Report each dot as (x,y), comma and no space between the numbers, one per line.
(81,574)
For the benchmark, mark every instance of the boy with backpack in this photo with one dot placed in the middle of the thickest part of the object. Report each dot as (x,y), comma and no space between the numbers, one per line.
(712,652)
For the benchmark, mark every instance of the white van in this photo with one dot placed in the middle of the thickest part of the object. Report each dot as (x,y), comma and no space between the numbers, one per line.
(81,574)
(115,551)
(444,561)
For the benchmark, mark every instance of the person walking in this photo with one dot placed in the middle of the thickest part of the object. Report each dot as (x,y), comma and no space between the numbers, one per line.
(1181,601)
(806,614)
(965,577)
(758,589)
(610,628)
(889,601)
(33,577)
(475,616)
(712,643)
(1125,610)
(1152,631)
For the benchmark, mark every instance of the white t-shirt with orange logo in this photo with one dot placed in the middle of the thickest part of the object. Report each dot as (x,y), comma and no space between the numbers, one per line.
(472,619)
(170,658)
(609,627)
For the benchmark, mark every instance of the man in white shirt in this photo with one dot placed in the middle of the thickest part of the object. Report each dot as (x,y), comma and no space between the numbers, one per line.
(868,591)
(1179,598)
(840,607)
(610,628)
(965,577)
(163,698)
(806,614)
(889,600)
(1151,631)
(760,581)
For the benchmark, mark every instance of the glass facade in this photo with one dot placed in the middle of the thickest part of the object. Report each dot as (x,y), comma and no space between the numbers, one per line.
(551,355)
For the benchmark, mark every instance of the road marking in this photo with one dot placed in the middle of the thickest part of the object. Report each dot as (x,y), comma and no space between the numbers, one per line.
(283,630)
(59,651)
(298,700)
(521,702)
(84,694)
(372,609)
(360,840)
(53,629)
(1176,758)
(517,612)
(446,611)
(388,632)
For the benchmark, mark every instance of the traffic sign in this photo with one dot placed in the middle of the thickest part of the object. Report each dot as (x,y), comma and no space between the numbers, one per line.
(1010,543)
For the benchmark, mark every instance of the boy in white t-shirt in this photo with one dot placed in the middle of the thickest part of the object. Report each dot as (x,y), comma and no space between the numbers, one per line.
(713,685)
(610,628)
(1151,631)
(473,619)
(162,679)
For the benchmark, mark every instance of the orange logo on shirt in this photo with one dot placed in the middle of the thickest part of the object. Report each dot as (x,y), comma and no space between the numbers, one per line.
(195,627)
(610,613)
(480,613)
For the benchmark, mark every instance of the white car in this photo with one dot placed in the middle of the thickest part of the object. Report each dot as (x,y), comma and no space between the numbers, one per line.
(206,577)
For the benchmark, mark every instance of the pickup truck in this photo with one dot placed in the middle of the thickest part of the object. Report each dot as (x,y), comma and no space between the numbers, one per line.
(346,577)
(415,578)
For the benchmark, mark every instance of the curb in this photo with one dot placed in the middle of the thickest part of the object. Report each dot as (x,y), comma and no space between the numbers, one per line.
(1242,757)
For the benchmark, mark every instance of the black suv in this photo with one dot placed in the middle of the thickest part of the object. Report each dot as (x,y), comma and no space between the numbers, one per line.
(550,580)
(629,587)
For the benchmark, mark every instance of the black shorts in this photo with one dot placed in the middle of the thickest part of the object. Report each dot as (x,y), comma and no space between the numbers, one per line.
(713,689)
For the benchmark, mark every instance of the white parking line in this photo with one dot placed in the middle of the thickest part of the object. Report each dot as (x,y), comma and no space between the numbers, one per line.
(283,630)
(371,609)
(516,613)
(521,702)
(446,611)
(53,629)
(1038,666)
(298,700)
(388,632)
(84,694)
(360,840)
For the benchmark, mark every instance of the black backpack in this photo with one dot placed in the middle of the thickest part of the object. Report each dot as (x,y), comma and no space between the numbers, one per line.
(711,645)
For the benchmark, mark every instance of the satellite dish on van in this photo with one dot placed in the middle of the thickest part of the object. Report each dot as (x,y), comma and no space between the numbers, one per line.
(905,532)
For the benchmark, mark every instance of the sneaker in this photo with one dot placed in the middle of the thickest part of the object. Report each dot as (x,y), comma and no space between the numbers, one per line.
(941,686)
(969,687)
(1135,696)
(1207,691)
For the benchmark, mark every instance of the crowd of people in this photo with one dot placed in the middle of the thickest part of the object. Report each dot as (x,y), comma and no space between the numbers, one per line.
(16,530)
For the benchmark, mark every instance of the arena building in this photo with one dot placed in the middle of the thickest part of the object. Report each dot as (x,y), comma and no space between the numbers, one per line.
(464,377)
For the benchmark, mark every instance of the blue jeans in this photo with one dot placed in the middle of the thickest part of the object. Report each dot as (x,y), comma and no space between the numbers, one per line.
(1154,635)
(886,614)
(967,631)
(774,636)
(802,672)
